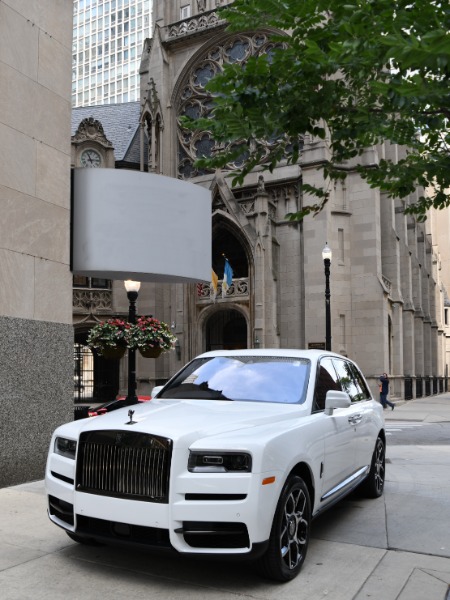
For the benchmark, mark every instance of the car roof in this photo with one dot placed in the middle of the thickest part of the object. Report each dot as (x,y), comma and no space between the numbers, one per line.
(293,352)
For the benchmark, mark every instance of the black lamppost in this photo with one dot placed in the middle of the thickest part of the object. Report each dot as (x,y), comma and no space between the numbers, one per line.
(326,255)
(132,288)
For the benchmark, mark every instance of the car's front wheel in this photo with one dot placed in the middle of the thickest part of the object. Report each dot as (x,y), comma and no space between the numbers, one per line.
(373,486)
(289,537)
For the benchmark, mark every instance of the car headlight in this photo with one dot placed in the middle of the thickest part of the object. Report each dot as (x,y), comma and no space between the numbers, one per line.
(65,447)
(220,462)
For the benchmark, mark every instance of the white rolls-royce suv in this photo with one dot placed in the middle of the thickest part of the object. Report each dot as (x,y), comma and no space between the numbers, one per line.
(234,456)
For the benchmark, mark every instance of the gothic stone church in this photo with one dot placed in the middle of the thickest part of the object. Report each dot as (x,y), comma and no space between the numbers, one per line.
(387,297)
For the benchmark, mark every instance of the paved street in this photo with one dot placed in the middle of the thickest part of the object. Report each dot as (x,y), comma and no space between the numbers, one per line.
(396,547)
(416,433)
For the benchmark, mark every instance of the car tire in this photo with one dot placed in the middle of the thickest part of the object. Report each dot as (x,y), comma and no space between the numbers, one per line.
(373,485)
(289,536)
(83,540)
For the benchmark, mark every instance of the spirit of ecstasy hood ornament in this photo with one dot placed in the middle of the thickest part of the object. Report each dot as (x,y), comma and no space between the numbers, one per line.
(130,414)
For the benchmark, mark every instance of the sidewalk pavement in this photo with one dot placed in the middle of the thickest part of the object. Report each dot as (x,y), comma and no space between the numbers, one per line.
(395,547)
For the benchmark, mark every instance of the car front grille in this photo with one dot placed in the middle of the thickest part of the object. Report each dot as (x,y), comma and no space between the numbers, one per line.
(124,464)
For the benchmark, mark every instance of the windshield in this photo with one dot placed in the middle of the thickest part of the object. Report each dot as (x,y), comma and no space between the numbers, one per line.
(245,378)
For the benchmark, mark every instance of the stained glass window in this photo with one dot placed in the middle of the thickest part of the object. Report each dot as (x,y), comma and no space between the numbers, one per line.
(194,101)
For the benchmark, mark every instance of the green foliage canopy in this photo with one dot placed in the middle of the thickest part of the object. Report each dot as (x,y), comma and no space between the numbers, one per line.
(357,73)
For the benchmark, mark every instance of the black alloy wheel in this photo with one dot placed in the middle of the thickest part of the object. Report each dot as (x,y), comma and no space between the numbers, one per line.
(373,486)
(289,537)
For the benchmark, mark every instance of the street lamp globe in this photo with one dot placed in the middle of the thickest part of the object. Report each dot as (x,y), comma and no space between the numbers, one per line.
(132,286)
(327,253)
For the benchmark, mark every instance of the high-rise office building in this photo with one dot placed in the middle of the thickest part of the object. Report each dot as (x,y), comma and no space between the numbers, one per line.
(108,36)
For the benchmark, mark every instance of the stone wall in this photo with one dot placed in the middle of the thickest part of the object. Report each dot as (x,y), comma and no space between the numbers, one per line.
(36,383)
(36,333)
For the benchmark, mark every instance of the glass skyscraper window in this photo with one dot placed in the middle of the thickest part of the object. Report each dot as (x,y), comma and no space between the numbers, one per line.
(107,47)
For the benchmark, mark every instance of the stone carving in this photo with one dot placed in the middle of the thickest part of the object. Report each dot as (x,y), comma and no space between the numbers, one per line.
(153,100)
(91,129)
(272,212)
(261,188)
(239,289)
(387,283)
(218,204)
(201,5)
(248,208)
(194,24)
(89,301)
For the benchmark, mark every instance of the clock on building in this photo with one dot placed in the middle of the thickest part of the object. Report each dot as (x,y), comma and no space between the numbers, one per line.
(90,158)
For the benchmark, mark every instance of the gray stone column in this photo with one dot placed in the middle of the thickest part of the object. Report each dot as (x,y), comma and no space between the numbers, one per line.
(397,349)
(427,352)
(419,345)
(266,273)
(409,358)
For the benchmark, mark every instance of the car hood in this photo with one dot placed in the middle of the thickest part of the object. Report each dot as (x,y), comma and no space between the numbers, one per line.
(189,420)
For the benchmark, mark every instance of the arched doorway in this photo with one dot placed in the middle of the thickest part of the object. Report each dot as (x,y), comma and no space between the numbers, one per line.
(226,330)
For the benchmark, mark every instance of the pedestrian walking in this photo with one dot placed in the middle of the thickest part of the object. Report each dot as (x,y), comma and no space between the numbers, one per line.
(384,391)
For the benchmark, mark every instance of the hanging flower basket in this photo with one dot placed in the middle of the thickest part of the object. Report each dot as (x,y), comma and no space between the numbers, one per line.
(109,338)
(111,353)
(112,338)
(151,337)
(151,352)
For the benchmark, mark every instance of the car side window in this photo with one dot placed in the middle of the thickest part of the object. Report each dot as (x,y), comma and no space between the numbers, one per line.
(360,381)
(326,380)
(346,376)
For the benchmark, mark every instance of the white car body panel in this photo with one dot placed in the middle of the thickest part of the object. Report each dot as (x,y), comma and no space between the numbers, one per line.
(278,437)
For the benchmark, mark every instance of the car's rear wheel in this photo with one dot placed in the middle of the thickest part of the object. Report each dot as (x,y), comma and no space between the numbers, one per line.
(373,486)
(289,537)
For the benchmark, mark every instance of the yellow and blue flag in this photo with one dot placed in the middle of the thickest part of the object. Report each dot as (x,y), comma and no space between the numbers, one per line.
(214,285)
(227,278)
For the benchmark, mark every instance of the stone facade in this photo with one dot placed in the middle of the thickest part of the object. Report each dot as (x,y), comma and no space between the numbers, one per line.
(387,289)
(36,333)
(387,271)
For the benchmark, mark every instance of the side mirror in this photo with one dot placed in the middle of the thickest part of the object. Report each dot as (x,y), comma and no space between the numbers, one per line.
(335,399)
(155,390)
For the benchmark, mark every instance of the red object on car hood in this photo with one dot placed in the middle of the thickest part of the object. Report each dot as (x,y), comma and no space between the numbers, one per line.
(112,405)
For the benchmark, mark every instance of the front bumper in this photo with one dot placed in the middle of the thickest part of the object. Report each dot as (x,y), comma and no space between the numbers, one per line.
(205,513)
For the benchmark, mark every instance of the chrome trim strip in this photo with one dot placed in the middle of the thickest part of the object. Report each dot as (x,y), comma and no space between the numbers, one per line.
(360,473)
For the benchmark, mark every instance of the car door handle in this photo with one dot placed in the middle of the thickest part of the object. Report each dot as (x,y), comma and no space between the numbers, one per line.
(355,419)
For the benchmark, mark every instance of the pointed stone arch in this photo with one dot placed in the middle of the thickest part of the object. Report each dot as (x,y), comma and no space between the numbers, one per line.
(228,239)
(224,201)
(215,322)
